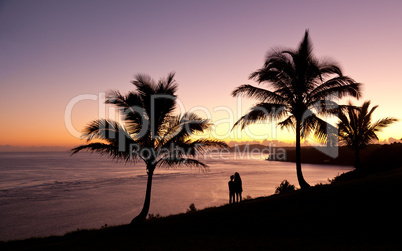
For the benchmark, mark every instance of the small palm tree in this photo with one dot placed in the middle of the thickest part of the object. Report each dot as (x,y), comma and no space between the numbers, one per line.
(150,133)
(300,84)
(356,129)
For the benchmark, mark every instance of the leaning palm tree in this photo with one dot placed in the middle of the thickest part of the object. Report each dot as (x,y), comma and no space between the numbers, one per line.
(149,132)
(356,128)
(300,85)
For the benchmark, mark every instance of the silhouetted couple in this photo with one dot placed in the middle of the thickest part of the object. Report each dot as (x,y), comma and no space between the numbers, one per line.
(235,188)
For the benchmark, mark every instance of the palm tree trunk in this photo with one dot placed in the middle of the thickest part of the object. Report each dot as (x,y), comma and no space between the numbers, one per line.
(302,182)
(357,158)
(145,209)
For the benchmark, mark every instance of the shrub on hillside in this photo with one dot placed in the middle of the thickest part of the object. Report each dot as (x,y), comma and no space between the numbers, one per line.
(284,187)
(154,216)
(191,208)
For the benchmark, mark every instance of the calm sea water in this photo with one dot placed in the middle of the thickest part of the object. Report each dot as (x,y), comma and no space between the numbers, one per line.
(51,193)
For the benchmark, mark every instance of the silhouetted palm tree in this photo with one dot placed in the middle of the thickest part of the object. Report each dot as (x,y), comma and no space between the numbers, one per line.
(300,84)
(356,129)
(150,133)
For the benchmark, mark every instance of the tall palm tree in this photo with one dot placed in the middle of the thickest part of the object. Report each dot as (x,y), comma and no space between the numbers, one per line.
(150,132)
(300,84)
(356,128)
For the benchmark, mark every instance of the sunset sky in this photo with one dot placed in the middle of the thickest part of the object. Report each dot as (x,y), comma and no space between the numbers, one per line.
(53,52)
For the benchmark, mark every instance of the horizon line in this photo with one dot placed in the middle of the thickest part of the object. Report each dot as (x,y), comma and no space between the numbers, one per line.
(232,143)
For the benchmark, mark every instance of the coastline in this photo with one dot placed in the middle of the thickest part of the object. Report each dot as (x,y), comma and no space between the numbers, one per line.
(48,193)
(374,157)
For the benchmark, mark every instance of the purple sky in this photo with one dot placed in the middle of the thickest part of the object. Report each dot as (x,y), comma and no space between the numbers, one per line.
(51,51)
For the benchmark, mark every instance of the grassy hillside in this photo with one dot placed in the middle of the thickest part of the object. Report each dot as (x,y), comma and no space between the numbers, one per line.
(353,215)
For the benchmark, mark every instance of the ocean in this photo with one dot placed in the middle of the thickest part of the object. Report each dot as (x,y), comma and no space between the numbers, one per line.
(51,193)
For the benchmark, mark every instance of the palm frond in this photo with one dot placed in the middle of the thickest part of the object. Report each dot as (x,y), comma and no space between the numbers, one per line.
(262,112)
(172,161)
(329,68)
(110,150)
(162,103)
(329,109)
(167,85)
(193,124)
(339,86)
(258,93)
(105,129)
(322,130)
(203,145)
(383,123)
(131,110)
(147,108)
(306,47)
(288,123)
(180,128)
(145,86)
(190,147)
(337,109)
(278,71)
(127,101)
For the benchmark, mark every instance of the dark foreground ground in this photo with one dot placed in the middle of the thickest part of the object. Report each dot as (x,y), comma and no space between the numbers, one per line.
(363,214)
